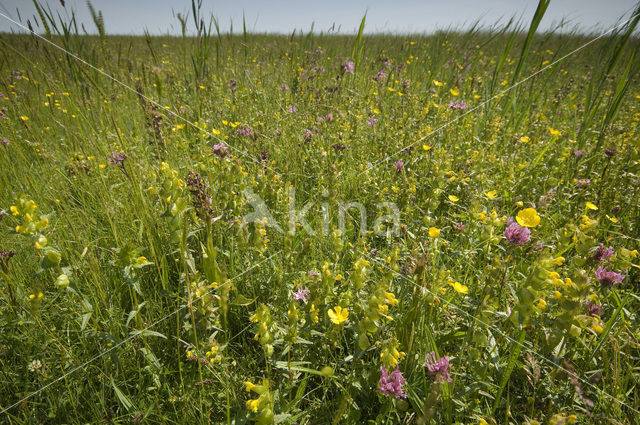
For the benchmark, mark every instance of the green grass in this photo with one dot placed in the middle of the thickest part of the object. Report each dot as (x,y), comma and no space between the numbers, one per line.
(128,315)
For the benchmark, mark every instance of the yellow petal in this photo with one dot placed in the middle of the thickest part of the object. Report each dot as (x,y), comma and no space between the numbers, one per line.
(554,132)
(528,217)
(459,287)
(492,194)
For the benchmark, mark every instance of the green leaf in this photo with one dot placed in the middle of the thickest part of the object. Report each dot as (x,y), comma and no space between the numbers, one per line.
(147,332)
(126,402)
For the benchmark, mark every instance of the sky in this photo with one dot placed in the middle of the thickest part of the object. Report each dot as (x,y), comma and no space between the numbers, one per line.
(344,16)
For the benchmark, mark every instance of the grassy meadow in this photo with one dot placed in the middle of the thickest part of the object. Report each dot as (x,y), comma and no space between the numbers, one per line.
(450,236)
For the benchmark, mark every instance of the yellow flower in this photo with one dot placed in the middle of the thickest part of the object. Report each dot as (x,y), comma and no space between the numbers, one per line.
(557,295)
(597,328)
(338,315)
(249,386)
(519,204)
(313,313)
(434,232)
(634,253)
(612,219)
(554,132)
(482,422)
(571,419)
(426,147)
(253,404)
(459,287)
(453,198)
(492,194)
(525,139)
(437,83)
(14,210)
(528,217)
(542,304)
(391,298)
(24,117)
(454,92)
(591,206)
(557,282)
(558,261)
(141,260)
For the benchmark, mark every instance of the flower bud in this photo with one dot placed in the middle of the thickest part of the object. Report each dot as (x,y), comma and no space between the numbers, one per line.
(51,258)
(62,281)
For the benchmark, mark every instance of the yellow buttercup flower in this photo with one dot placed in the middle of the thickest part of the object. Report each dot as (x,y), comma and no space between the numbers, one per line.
(437,83)
(453,198)
(525,139)
(434,232)
(338,315)
(426,147)
(459,287)
(454,92)
(492,194)
(554,132)
(591,206)
(528,217)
